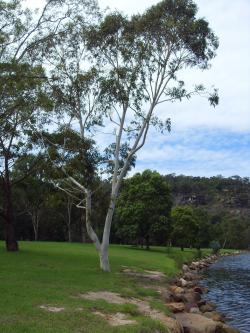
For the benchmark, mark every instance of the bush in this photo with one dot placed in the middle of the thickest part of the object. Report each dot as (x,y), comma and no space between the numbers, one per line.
(215,246)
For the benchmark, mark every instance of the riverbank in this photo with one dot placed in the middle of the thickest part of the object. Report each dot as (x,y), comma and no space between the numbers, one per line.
(59,288)
(187,302)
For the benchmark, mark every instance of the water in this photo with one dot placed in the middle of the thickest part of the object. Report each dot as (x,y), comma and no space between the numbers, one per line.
(229,283)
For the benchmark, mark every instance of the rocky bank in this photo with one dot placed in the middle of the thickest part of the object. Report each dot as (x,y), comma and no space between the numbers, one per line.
(185,298)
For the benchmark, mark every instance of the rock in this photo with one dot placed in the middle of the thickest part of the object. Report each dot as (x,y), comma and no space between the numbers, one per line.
(191,284)
(194,265)
(183,282)
(191,276)
(176,307)
(177,290)
(195,323)
(191,297)
(178,297)
(208,307)
(185,268)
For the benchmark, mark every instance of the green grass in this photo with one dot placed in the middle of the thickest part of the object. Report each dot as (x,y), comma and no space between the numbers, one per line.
(55,273)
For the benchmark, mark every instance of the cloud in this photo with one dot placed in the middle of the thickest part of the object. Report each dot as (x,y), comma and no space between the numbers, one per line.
(199,153)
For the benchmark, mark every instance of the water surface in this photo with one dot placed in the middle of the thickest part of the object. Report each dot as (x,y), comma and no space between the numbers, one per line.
(229,284)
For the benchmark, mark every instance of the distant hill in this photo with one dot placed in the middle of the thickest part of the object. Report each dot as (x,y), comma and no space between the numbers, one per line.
(217,195)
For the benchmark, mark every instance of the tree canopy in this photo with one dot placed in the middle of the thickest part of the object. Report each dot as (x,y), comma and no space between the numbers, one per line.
(143,210)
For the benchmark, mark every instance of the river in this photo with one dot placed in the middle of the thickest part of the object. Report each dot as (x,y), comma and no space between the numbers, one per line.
(229,283)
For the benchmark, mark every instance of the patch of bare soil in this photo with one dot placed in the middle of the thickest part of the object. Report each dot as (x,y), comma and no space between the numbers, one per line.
(104,295)
(147,275)
(116,319)
(51,308)
(143,307)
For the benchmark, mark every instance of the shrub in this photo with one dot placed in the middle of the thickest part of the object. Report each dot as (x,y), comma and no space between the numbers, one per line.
(215,246)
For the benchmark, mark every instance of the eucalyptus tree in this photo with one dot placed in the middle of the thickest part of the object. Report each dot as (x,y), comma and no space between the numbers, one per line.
(23,86)
(142,59)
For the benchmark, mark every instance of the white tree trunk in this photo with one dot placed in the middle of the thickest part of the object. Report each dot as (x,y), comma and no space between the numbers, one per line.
(93,236)
(104,260)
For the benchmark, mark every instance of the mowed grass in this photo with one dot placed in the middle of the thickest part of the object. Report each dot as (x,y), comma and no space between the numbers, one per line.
(54,274)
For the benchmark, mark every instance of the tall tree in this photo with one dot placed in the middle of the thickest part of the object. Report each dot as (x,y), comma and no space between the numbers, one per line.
(22,89)
(141,59)
(124,69)
(22,95)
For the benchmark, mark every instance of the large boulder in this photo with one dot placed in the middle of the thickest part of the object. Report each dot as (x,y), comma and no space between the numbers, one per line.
(195,323)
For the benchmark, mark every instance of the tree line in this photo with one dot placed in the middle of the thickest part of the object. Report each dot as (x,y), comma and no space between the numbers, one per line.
(148,212)
(69,71)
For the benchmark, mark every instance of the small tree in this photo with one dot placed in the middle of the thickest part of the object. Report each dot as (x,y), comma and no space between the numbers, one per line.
(143,209)
(185,226)
(215,246)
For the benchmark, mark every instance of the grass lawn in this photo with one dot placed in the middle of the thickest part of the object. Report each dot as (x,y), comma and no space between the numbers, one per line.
(56,273)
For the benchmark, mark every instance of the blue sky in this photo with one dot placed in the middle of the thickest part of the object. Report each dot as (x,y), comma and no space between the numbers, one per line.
(206,141)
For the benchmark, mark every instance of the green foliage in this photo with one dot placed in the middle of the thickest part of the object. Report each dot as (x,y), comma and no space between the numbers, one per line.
(185,226)
(143,209)
(68,153)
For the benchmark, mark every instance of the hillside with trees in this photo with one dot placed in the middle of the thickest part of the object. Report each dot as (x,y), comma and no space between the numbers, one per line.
(225,202)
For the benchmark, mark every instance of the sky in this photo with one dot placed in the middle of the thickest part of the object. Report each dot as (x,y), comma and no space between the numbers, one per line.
(205,141)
